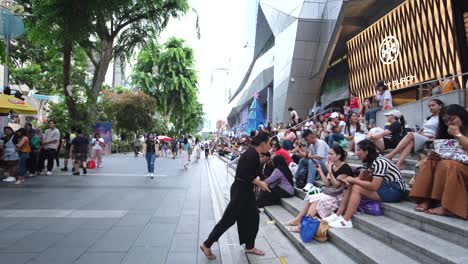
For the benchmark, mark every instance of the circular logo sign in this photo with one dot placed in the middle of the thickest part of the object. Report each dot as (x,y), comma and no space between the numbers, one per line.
(389,50)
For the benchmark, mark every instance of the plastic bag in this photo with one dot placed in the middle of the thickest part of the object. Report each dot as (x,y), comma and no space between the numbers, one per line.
(370,207)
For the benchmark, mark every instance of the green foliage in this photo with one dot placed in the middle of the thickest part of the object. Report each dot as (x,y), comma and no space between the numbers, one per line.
(167,73)
(59,113)
(128,111)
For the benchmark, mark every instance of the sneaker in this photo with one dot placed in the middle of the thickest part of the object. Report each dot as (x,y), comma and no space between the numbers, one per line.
(308,187)
(100,166)
(76,174)
(49,173)
(64,169)
(341,223)
(331,218)
(9,179)
(152,175)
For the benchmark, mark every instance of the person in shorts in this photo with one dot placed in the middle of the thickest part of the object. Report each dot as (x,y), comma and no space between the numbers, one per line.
(79,150)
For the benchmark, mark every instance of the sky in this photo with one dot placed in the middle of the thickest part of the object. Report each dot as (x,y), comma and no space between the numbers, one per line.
(221,53)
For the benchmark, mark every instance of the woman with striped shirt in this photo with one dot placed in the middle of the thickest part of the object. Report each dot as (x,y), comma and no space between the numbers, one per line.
(385,185)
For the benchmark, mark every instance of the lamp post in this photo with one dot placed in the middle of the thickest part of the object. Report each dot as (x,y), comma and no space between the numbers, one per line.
(11,27)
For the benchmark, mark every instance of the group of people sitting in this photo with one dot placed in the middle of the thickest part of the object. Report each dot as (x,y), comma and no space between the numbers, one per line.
(440,188)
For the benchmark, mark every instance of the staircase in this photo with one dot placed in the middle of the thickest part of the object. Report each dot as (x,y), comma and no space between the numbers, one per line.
(402,235)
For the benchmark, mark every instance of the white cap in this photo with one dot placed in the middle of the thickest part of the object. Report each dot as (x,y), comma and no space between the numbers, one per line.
(394,113)
(334,115)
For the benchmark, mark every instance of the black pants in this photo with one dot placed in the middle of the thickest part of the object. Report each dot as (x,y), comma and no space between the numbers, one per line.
(33,161)
(49,155)
(241,209)
(271,198)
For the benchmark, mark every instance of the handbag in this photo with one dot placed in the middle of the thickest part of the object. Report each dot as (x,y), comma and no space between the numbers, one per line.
(450,149)
(370,207)
(322,231)
(309,227)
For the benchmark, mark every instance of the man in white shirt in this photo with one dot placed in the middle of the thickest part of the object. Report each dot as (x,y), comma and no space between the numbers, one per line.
(336,132)
(384,97)
(317,155)
(50,142)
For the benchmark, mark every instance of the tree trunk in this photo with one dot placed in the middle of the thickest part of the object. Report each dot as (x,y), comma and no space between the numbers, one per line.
(102,66)
(67,56)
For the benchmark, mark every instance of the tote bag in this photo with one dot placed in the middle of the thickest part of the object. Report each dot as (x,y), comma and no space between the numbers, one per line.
(309,227)
(450,149)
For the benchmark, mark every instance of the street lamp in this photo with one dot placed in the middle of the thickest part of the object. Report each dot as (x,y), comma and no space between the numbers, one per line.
(11,27)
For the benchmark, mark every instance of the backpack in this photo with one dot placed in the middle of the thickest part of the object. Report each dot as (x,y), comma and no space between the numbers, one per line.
(301,179)
(35,143)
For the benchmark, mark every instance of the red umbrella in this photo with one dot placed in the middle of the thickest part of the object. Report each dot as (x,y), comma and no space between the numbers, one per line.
(164,138)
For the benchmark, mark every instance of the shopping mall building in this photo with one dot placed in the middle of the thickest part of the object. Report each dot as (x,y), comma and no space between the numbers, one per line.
(311,51)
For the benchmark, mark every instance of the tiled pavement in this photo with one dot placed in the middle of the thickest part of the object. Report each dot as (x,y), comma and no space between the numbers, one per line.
(114,215)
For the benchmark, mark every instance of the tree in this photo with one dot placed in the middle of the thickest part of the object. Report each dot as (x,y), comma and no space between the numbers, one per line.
(119,26)
(167,73)
(64,23)
(128,111)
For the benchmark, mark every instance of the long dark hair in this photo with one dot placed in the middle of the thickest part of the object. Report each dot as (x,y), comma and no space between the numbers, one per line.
(281,165)
(348,123)
(340,151)
(372,154)
(440,103)
(453,110)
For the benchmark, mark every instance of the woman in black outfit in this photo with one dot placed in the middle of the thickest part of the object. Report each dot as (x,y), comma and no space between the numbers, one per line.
(242,207)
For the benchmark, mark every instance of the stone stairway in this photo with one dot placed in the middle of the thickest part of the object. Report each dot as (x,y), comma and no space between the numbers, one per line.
(402,235)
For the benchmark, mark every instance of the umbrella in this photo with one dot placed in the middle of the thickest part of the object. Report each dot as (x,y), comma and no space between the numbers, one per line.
(10,103)
(164,138)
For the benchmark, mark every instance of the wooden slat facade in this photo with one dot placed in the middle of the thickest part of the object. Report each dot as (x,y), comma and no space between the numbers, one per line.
(426,33)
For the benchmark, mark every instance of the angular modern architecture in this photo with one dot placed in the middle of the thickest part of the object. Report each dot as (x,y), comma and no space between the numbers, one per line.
(310,51)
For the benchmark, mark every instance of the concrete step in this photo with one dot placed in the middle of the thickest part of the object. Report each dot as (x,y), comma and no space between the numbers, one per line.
(420,245)
(362,247)
(315,252)
(451,229)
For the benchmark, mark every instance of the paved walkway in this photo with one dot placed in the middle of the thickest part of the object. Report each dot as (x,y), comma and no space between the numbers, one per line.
(113,215)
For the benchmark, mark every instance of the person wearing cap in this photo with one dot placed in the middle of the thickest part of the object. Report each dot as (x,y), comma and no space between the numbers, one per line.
(335,129)
(384,97)
(393,133)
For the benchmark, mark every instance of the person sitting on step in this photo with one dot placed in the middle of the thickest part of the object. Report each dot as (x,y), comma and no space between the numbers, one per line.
(416,141)
(280,184)
(385,185)
(389,138)
(317,154)
(443,183)
(326,203)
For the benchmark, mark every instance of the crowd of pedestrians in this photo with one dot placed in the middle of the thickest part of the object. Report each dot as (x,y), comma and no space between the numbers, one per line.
(29,152)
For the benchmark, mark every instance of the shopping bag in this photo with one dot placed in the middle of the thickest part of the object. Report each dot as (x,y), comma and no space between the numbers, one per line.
(309,227)
(370,207)
(91,164)
(450,149)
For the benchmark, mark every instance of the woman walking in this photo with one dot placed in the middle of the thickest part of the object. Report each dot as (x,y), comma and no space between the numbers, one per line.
(98,145)
(184,148)
(152,150)
(242,207)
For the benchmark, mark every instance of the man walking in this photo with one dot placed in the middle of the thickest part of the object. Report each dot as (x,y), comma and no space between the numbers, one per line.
(79,150)
(51,143)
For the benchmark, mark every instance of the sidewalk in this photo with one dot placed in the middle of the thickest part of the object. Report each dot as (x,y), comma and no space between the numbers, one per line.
(277,247)
(113,215)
